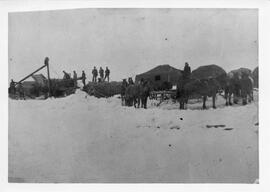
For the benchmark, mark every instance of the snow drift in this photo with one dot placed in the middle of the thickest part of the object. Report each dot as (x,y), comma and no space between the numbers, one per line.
(84,139)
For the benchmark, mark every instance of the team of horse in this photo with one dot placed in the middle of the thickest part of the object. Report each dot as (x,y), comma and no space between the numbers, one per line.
(135,94)
(234,87)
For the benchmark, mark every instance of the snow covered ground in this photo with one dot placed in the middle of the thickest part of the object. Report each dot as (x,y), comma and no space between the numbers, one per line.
(84,139)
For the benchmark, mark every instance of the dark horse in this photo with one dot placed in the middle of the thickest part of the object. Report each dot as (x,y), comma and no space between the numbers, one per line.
(144,94)
(136,95)
(200,87)
(132,95)
(123,91)
(238,87)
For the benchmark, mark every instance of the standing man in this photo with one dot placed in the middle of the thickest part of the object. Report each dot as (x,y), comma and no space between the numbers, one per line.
(182,94)
(101,74)
(107,74)
(95,74)
(83,78)
(75,78)
(187,71)
(12,88)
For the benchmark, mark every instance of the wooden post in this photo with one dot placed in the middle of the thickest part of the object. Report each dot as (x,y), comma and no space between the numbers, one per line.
(46,62)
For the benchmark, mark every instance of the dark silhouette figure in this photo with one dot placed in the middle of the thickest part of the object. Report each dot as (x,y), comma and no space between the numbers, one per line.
(107,74)
(144,93)
(75,78)
(123,91)
(101,74)
(237,87)
(187,72)
(83,78)
(200,87)
(95,74)
(66,75)
(12,89)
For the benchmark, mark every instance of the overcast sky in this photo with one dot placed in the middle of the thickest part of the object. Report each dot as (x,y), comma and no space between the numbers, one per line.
(131,41)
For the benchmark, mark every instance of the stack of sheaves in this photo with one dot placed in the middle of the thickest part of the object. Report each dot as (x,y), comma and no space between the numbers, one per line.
(103,89)
(241,71)
(207,71)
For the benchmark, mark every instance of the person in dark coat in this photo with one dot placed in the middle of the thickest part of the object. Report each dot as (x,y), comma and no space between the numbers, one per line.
(12,88)
(107,74)
(83,78)
(95,74)
(75,78)
(187,71)
(101,74)
(66,75)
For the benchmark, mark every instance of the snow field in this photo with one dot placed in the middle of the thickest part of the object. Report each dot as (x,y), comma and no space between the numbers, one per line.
(84,139)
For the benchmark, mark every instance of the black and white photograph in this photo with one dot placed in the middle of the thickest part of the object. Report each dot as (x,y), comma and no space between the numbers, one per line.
(133,95)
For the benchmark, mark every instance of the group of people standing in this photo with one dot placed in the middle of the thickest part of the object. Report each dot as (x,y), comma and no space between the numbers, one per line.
(95,78)
(101,78)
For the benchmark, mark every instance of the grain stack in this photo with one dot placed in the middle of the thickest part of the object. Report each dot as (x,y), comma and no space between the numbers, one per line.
(103,89)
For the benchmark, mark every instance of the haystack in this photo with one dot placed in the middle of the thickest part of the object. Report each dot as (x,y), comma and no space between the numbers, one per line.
(103,89)
(241,71)
(207,71)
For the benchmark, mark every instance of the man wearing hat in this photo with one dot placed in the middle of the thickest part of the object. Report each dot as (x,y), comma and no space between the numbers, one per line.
(107,74)
(12,88)
(101,74)
(83,78)
(75,78)
(95,74)
(187,71)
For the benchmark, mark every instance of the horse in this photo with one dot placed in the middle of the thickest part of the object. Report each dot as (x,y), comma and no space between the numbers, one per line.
(136,94)
(144,94)
(132,95)
(181,95)
(123,91)
(238,87)
(246,89)
(229,90)
(202,87)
